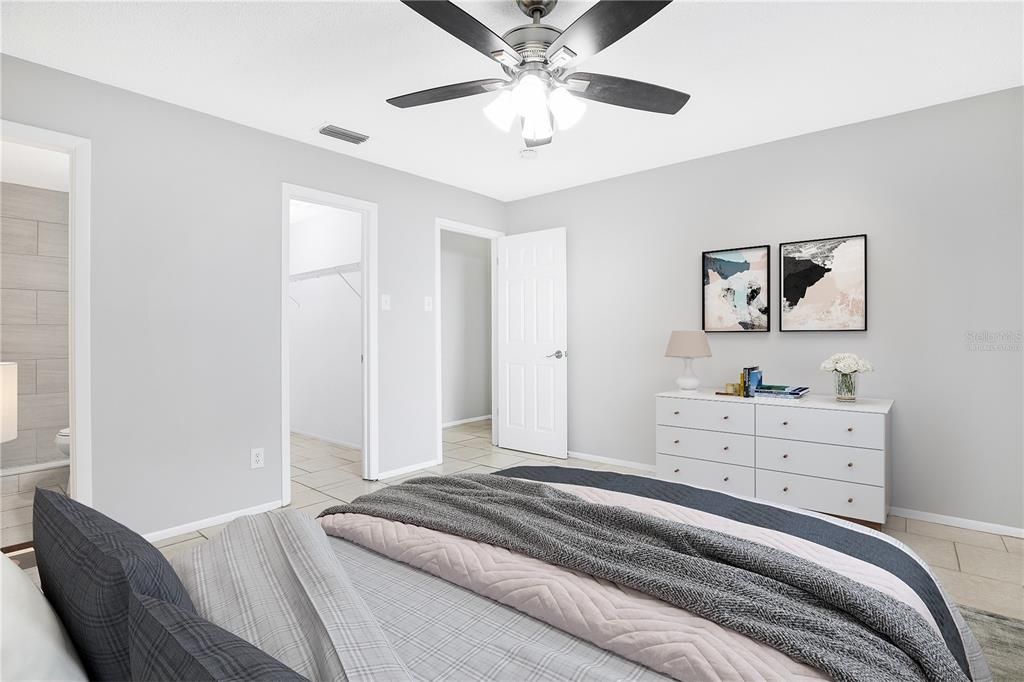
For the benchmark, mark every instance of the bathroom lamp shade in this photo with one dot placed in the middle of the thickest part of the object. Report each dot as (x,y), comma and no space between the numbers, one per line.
(8,401)
(688,345)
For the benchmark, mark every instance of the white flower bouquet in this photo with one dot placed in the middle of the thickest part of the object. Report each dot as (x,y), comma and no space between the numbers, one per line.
(846,367)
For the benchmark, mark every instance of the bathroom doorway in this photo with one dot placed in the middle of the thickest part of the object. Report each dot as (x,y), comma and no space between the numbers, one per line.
(328,344)
(44,201)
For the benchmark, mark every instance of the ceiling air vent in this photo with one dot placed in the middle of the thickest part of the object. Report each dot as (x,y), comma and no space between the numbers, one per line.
(344,135)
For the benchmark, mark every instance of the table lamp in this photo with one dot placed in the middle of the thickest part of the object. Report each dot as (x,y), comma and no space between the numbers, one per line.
(8,401)
(688,345)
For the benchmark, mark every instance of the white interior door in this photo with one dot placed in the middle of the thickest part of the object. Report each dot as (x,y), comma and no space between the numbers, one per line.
(532,352)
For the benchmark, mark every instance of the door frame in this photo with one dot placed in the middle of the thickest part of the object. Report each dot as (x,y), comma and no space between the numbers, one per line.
(444,224)
(79,149)
(371,369)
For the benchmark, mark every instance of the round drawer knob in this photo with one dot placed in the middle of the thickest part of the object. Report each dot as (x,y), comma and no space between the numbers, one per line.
(850,464)
(675,471)
(786,456)
(786,489)
(849,428)
(785,423)
(726,478)
(676,441)
(850,500)
(725,417)
(676,412)
(726,447)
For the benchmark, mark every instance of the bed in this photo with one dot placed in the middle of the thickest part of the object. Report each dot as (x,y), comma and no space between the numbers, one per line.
(524,575)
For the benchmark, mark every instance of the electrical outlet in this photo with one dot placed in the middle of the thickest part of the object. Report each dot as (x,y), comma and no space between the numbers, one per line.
(256,458)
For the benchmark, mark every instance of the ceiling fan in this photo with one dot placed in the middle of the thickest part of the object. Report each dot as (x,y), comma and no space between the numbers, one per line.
(541,89)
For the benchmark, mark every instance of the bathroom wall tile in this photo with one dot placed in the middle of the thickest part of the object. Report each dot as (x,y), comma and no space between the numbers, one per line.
(17,306)
(20,451)
(52,307)
(9,484)
(15,535)
(53,240)
(18,236)
(16,517)
(42,410)
(33,272)
(46,449)
(43,479)
(26,376)
(19,201)
(51,376)
(32,341)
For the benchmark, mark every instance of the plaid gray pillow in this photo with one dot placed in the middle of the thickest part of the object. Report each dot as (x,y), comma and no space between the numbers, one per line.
(168,643)
(89,565)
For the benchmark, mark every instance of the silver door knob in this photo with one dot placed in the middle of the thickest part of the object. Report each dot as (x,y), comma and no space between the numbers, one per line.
(557,355)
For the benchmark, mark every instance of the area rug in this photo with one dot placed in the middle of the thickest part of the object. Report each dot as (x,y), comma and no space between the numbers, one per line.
(1002,640)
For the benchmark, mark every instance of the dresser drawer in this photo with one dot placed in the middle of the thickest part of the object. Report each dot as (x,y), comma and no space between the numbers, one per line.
(836,427)
(711,415)
(730,448)
(725,477)
(819,494)
(857,465)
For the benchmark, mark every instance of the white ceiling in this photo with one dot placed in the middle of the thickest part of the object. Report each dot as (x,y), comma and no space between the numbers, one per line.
(34,167)
(756,72)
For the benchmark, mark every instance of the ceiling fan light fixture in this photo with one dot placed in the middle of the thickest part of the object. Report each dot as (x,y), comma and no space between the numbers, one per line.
(537,126)
(502,111)
(566,108)
(530,95)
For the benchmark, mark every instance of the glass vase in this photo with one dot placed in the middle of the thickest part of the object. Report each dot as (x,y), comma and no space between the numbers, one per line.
(846,387)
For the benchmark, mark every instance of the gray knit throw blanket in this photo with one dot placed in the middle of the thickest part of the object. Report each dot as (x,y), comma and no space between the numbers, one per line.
(810,613)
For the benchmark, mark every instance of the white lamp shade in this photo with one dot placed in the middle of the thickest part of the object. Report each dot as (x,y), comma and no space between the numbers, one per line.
(8,401)
(688,344)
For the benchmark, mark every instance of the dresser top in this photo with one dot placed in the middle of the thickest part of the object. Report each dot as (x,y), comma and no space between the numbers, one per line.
(812,401)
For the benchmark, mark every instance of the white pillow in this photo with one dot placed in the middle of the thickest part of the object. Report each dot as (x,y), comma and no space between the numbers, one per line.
(33,643)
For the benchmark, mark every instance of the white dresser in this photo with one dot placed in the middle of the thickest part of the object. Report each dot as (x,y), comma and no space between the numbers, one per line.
(813,453)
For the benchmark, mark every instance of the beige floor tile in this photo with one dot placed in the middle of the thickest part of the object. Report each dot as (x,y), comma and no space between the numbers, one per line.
(318,463)
(466,454)
(167,542)
(456,436)
(450,447)
(348,454)
(303,496)
(448,466)
(991,563)
(479,443)
(937,553)
(350,490)
(985,594)
(15,517)
(498,459)
(15,535)
(953,534)
(897,523)
(1014,545)
(479,469)
(328,477)
(17,500)
(313,510)
(171,550)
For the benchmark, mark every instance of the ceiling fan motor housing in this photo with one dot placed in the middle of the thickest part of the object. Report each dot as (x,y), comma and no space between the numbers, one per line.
(531,41)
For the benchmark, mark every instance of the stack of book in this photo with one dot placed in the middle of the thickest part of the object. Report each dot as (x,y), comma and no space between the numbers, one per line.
(777,391)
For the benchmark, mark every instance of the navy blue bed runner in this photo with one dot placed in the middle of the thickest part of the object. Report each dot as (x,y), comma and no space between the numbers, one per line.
(862,546)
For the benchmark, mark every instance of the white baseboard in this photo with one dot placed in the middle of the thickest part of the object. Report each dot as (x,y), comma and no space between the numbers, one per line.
(408,470)
(611,460)
(329,441)
(457,422)
(958,522)
(211,521)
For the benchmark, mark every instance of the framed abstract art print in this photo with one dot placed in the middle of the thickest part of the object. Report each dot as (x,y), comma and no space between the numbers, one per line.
(824,284)
(735,289)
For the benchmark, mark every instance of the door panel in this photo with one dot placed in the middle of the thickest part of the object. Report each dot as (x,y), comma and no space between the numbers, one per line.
(532,353)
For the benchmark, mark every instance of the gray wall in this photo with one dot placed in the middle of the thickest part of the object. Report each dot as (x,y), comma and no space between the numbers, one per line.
(186,219)
(938,191)
(465,326)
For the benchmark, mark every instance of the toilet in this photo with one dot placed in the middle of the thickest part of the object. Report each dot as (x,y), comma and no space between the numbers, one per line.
(63,442)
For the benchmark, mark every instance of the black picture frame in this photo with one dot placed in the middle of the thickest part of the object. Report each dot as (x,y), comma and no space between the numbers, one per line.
(768,290)
(782,283)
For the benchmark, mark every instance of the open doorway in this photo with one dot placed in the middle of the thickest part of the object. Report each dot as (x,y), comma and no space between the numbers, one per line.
(44,362)
(328,344)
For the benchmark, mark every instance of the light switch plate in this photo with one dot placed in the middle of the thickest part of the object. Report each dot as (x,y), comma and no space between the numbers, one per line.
(385,302)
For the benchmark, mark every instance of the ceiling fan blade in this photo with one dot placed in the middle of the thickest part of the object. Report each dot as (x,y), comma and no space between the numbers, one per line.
(599,27)
(463,26)
(624,92)
(446,92)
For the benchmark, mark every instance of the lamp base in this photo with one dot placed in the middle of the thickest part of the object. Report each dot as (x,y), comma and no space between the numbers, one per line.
(688,381)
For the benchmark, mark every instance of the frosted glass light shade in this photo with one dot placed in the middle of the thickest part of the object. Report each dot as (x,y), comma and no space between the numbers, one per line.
(8,401)
(566,108)
(502,111)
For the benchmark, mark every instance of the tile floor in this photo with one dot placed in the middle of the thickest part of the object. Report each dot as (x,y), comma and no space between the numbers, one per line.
(980,570)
